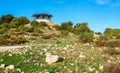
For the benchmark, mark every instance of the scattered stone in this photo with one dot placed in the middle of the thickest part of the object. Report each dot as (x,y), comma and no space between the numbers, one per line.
(82,56)
(111,67)
(10,67)
(50,59)
(2,65)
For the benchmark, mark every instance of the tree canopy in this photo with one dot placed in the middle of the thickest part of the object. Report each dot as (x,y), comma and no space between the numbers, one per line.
(112,33)
(81,28)
(23,20)
(7,18)
(66,26)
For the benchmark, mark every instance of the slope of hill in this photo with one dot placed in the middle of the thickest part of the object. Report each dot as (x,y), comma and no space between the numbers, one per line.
(47,22)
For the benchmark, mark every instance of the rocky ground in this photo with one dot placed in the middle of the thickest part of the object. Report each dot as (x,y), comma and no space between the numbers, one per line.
(6,48)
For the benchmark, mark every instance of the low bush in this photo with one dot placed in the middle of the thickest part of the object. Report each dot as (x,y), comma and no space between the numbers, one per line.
(43,24)
(64,33)
(66,26)
(37,30)
(86,37)
(100,44)
(100,41)
(5,25)
(34,23)
(4,42)
(17,40)
(38,24)
(12,40)
(46,36)
(57,27)
(111,67)
(14,23)
(3,30)
(112,51)
(113,43)
(28,29)
(118,36)
(4,39)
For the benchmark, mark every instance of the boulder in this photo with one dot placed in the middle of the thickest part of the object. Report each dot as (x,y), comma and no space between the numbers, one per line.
(50,59)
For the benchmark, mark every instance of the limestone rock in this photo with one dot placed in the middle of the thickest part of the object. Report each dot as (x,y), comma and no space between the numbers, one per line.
(111,67)
(50,59)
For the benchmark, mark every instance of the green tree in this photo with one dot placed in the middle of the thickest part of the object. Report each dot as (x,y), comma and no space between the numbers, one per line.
(7,18)
(28,29)
(66,26)
(34,23)
(86,37)
(42,24)
(15,23)
(98,33)
(37,30)
(23,20)
(118,36)
(81,28)
(57,27)
(112,33)
(3,30)
(0,21)
(64,33)
(108,32)
(5,25)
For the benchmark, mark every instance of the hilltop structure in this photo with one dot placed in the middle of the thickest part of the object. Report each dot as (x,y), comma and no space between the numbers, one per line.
(44,18)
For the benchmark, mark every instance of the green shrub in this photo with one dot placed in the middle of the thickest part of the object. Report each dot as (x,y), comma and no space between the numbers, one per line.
(28,29)
(81,28)
(100,44)
(17,40)
(111,67)
(38,24)
(21,28)
(37,30)
(3,30)
(5,25)
(15,23)
(66,26)
(23,20)
(115,43)
(7,18)
(43,24)
(1,21)
(4,41)
(100,41)
(11,40)
(46,36)
(112,51)
(57,27)
(118,36)
(86,37)
(64,32)
(112,33)
(34,23)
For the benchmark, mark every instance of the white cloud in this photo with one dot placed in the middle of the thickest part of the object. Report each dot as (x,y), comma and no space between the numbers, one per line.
(115,5)
(111,3)
(60,1)
(101,1)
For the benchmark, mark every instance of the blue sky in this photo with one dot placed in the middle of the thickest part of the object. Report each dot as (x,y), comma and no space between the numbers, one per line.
(99,14)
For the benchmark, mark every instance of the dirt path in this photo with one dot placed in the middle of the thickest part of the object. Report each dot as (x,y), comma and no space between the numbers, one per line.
(5,48)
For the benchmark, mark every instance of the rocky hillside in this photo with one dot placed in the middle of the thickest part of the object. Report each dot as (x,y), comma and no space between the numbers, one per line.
(47,22)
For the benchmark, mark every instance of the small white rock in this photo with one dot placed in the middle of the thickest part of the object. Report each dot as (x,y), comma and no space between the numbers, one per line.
(10,67)
(51,58)
(2,65)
